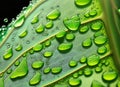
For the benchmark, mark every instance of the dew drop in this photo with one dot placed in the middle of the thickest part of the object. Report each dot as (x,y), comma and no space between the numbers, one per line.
(74,82)
(88,72)
(93,60)
(100,40)
(19,22)
(35,20)
(65,47)
(96,26)
(8,54)
(83,59)
(93,13)
(72,63)
(102,50)
(37,64)
(35,79)
(53,14)
(56,70)
(75,75)
(47,70)
(9,71)
(72,23)
(84,29)
(38,47)
(40,29)
(60,35)
(109,76)
(98,69)
(17,63)
(48,54)
(87,43)
(49,24)
(23,34)
(47,43)
(80,72)
(70,37)
(19,47)
(82,3)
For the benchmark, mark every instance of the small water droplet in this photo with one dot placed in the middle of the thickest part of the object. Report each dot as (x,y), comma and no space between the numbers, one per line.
(83,59)
(49,24)
(38,47)
(19,47)
(98,69)
(87,43)
(9,71)
(40,29)
(37,64)
(23,34)
(100,40)
(56,70)
(74,82)
(48,54)
(96,26)
(72,63)
(8,54)
(75,75)
(93,13)
(88,72)
(47,70)
(82,3)
(27,42)
(47,43)
(60,36)
(35,20)
(70,37)
(102,50)
(84,29)
(5,20)
(98,33)
(53,14)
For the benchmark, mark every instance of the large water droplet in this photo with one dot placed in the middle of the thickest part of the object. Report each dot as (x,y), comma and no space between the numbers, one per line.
(8,54)
(53,14)
(100,40)
(93,60)
(40,29)
(74,82)
(109,76)
(38,47)
(82,3)
(37,64)
(35,79)
(9,71)
(87,43)
(56,70)
(23,34)
(19,22)
(48,54)
(65,47)
(21,70)
(72,23)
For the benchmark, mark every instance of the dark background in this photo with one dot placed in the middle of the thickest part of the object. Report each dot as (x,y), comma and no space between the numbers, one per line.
(10,9)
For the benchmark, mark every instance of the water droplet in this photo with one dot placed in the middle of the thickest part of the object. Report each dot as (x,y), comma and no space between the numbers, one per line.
(8,54)
(93,13)
(72,63)
(19,47)
(72,23)
(37,64)
(109,76)
(100,40)
(98,33)
(47,43)
(17,63)
(84,29)
(107,63)
(38,47)
(40,29)
(49,24)
(53,14)
(60,35)
(88,72)
(75,75)
(80,72)
(48,54)
(86,15)
(2,82)
(74,81)
(65,47)
(96,26)
(6,20)
(21,70)
(98,69)
(9,71)
(95,83)
(19,22)
(93,60)
(23,34)
(70,37)
(35,79)
(87,43)
(47,70)
(27,42)
(31,51)
(83,59)
(35,20)
(82,3)
(56,70)
(102,50)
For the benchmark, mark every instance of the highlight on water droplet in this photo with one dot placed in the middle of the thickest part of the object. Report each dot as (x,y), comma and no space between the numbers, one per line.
(23,34)
(74,81)
(38,47)
(40,29)
(87,43)
(81,3)
(19,47)
(72,23)
(84,29)
(93,60)
(70,37)
(8,54)
(37,64)
(53,14)
(35,79)
(100,40)
(19,22)
(65,47)
(72,63)
(35,19)
(56,70)
(48,54)
(47,70)
(21,70)
(49,24)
